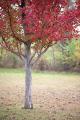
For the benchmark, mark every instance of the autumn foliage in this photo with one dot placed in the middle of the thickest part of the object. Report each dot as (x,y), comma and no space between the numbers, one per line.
(40,22)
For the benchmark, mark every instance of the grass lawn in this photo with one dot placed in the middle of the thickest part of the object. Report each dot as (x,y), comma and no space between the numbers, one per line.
(56,96)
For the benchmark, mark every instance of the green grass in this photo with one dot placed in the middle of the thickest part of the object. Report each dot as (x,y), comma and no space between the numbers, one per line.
(22,71)
(16,113)
(56,96)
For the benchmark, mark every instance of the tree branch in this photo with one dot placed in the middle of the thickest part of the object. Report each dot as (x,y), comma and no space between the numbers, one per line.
(39,55)
(10,20)
(8,48)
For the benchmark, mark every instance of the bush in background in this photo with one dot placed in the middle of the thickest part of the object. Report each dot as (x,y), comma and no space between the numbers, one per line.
(9,60)
(61,57)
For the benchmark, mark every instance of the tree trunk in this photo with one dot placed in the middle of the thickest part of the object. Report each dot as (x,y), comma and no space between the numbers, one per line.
(28,79)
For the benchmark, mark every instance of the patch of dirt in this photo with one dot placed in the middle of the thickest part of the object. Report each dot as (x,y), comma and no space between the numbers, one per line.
(60,104)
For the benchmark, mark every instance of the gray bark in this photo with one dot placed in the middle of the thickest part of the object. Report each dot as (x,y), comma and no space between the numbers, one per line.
(28,79)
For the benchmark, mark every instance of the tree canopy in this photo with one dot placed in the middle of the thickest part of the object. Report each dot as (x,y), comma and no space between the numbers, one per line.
(39,22)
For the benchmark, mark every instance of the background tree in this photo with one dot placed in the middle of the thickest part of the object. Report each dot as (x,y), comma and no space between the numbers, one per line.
(29,28)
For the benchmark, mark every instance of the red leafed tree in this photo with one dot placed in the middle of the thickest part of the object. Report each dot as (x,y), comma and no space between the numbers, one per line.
(29,27)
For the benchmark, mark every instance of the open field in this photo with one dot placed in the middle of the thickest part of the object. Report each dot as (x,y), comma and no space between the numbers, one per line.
(56,96)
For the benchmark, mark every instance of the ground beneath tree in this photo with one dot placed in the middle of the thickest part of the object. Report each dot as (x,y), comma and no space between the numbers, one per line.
(56,96)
